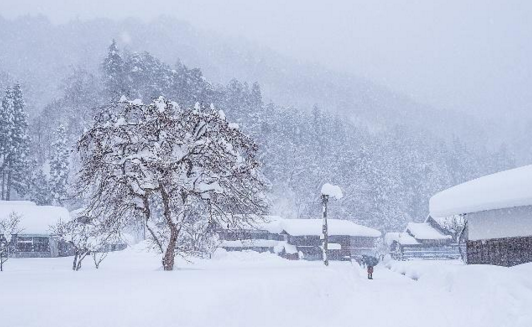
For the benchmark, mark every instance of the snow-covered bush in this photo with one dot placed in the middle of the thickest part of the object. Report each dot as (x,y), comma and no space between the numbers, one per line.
(88,236)
(184,171)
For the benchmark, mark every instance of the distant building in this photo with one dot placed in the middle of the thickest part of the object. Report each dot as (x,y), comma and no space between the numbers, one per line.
(498,212)
(301,238)
(36,239)
(425,240)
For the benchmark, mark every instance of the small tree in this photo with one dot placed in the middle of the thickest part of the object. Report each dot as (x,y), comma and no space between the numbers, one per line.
(455,225)
(87,236)
(9,226)
(173,166)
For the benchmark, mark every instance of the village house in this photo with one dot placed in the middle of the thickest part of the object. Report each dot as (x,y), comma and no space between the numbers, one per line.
(497,210)
(36,239)
(426,240)
(302,238)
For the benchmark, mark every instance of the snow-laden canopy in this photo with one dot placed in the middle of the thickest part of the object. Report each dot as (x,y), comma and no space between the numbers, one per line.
(300,227)
(34,219)
(424,231)
(506,189)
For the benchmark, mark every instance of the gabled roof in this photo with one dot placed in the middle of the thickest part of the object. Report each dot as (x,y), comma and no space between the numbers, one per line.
(34,219)
(424,231)
(506,189)
(401,238)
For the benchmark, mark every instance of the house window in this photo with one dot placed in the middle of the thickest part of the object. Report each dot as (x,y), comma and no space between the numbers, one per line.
(24,244)
(33,244)
(40,244)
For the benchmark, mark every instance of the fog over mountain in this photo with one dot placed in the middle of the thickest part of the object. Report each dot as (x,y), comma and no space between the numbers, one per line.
(402,113)
(469,56)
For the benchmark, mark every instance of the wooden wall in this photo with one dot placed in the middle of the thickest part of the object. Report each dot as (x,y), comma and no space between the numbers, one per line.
(507,252)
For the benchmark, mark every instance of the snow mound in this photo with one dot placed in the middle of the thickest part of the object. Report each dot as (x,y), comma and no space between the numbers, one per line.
(245,256)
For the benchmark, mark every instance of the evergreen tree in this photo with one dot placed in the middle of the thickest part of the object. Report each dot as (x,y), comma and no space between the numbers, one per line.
(18,160)
(6,128)
(40,192)
(59,166)
(112,67)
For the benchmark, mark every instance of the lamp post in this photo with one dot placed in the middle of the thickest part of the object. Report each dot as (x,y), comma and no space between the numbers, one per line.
(327,190)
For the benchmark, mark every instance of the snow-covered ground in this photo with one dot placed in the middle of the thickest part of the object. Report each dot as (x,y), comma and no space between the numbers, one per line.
(251,289)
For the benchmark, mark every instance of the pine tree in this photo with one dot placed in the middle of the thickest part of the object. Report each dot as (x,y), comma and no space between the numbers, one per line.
(113,73)
(18,165)
(40,192)
(6,127)
(59,166)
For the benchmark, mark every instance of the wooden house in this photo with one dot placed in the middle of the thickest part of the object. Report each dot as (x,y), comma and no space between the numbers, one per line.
(497,210)
(425,240)
(35,239)
(347,240)
(302,238)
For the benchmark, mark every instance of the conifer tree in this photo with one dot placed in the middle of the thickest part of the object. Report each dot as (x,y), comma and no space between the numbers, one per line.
(40,189)
(113,73)
(59,166)
(18,158)
(6,127)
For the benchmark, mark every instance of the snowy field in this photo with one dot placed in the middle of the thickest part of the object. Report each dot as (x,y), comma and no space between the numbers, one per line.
(251,289)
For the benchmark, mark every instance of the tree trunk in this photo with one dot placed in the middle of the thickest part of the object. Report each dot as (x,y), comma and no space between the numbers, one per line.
(80,259)
(75,263)
(3,183)
(8,190)
(169,255)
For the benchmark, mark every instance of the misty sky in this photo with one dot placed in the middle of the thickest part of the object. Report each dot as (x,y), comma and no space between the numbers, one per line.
(474,56)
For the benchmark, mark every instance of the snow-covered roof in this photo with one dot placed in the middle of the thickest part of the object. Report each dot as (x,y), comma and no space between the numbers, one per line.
(424,231)
(506,189)
(34,219)
(272,224)
(300,227)
(401,238)
(249,243)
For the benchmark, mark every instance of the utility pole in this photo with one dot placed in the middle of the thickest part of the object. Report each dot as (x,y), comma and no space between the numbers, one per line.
(324,200)
(326,191)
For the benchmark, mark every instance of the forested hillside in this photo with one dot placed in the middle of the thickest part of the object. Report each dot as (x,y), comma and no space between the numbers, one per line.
(388,153)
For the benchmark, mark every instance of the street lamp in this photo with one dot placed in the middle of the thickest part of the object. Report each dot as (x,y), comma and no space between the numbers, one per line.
(327,190)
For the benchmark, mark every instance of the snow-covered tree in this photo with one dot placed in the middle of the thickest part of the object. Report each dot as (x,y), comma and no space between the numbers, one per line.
(88,236)
(112,67)
(6,140)
(40,191)
(174,166)
(59,166)
(9,226)
(15,144)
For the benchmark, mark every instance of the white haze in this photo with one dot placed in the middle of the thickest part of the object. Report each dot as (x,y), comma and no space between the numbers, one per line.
(470,56)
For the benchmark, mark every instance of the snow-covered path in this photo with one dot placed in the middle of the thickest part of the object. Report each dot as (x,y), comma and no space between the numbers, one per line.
(234,290)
